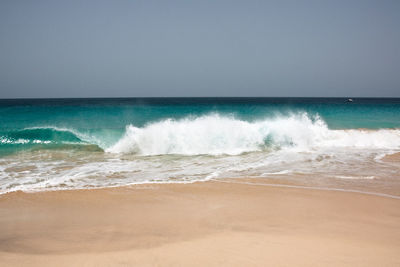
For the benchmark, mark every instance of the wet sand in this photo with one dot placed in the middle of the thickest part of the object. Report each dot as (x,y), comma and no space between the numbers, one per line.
(200,224)
(392,157)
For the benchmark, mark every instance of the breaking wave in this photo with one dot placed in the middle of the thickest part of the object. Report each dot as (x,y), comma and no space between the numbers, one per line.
(209,135)
(216,135)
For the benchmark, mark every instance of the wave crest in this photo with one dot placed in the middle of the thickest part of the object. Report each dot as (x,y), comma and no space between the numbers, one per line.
(215,134)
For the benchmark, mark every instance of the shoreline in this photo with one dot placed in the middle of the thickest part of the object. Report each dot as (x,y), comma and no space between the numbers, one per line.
(208,223)
(238,180)
(389,162)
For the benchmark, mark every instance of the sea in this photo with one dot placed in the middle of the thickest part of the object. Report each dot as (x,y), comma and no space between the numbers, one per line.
(322,143)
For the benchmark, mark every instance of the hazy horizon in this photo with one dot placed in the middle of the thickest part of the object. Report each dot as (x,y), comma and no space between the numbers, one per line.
(112,49)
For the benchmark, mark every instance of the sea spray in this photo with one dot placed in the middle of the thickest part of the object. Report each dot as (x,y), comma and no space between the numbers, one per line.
(215,135)
(212,134)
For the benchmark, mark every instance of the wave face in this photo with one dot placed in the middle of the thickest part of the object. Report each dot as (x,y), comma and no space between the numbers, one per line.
(45,137)
(216,135)
(41,135)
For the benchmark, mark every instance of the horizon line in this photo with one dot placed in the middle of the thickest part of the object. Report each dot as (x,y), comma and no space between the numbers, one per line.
(155,97)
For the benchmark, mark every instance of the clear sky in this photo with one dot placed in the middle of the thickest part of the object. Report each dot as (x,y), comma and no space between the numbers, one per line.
(199,48)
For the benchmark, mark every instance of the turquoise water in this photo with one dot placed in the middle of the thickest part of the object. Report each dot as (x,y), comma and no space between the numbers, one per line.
(26,124)
(85,143)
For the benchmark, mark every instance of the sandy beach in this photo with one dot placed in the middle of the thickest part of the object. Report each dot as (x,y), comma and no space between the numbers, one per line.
(200,224)
(199,133)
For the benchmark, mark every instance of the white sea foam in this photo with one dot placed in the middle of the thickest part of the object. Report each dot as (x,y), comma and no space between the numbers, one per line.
(348,177)
(215,135)
(5,140)
(276,173)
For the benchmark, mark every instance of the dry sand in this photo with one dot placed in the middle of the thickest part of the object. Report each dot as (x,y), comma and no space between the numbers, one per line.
(201,224)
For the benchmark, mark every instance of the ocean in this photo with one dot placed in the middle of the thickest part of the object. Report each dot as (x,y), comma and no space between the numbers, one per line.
(62,144)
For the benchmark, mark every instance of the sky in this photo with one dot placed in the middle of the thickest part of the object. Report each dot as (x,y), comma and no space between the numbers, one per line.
(122,48)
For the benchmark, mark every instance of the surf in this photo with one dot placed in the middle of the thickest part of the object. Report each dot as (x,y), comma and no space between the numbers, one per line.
(215,134)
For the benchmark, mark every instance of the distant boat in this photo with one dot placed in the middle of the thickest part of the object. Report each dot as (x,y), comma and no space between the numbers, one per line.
(349,100)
